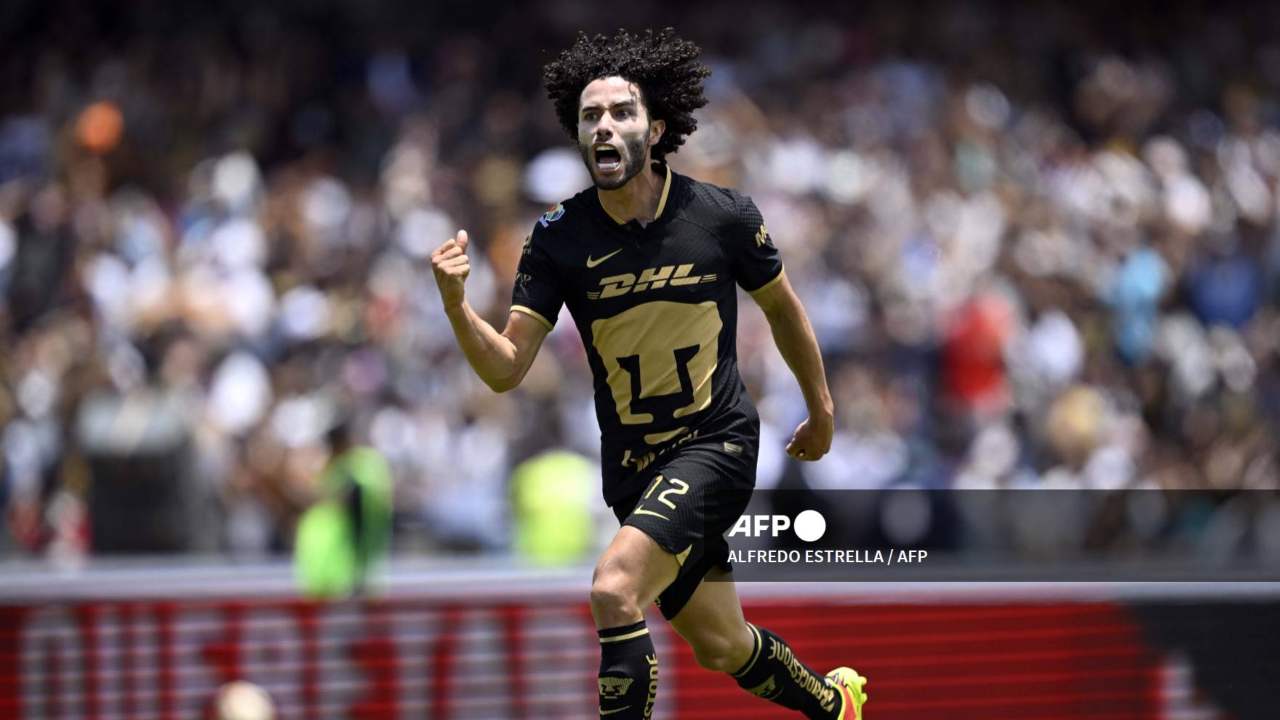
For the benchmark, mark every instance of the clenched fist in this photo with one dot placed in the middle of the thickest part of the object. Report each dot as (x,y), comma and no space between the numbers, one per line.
(812,438)
(450,264)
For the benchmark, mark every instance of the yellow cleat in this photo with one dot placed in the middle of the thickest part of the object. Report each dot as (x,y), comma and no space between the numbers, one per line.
(849,683)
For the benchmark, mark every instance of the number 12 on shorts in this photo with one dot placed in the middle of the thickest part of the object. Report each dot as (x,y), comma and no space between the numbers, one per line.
(678,487)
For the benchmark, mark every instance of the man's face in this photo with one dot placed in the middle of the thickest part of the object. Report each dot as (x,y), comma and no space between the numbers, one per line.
(614,131)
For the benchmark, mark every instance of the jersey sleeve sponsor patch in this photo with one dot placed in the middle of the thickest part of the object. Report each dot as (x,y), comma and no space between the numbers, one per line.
(754,257)
(537,291)
(551,215)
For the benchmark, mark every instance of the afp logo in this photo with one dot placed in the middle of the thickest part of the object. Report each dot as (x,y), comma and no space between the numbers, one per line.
(809,526)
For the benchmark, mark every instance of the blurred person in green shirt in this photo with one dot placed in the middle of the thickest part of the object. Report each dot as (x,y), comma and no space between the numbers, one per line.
(552,495)
(346,535)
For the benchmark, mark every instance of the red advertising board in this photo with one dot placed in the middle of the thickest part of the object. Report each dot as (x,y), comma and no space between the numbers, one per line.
(427,657)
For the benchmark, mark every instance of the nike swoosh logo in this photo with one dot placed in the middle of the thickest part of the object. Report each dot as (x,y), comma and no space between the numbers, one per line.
(615,710)
(592,262)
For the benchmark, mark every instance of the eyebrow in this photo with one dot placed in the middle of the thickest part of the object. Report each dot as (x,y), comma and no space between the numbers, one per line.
(628,101)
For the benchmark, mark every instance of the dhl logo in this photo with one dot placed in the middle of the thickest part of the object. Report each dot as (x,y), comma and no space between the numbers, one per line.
(650,279)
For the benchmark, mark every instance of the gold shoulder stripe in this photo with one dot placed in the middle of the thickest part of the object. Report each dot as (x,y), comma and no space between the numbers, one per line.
(776,278)
(533,314)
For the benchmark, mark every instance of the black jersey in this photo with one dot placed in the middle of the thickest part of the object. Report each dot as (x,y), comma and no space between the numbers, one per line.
(657,309)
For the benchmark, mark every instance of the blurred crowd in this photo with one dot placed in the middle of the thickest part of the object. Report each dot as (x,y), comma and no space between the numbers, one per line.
(1040,248)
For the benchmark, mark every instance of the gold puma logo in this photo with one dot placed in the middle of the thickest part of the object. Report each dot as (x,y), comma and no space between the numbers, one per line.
(766,689)
(612,688)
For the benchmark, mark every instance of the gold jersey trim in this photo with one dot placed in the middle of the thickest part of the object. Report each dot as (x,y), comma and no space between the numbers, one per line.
(776,279)
(533,314)
(666,189)
(662,200)
(682,556)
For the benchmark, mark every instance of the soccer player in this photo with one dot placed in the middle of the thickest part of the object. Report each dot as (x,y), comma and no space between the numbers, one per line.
(647,262)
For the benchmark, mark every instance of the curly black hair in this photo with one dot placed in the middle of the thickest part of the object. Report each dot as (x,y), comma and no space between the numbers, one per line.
(665,68)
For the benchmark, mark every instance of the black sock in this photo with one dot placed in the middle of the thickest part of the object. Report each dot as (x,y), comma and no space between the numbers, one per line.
(628,672)
(774,673)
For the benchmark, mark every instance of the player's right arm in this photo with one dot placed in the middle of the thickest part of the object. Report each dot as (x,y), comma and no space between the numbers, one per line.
(501,359)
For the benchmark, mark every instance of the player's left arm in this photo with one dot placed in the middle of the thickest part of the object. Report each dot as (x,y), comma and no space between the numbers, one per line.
(796,341)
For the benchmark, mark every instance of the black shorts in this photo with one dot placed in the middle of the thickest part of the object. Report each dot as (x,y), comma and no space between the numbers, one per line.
(692,499)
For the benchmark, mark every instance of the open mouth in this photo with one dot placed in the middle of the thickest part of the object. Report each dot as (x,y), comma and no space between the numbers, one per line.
(608,159)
